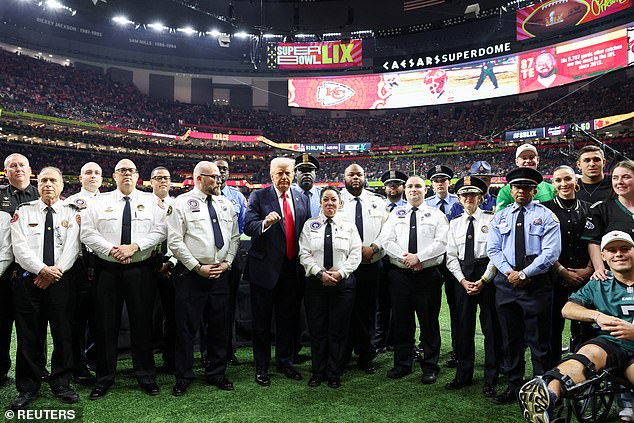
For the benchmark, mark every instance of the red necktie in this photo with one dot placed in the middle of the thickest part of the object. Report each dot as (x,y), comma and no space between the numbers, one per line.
(289,226)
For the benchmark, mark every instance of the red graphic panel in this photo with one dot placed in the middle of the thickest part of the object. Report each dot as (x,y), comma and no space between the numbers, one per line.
(323,55)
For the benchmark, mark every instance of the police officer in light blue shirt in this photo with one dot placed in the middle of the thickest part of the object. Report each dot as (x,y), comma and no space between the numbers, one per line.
(523,243)
(306,167)
(482,170)
(394,186)
(233,194)
(440,177)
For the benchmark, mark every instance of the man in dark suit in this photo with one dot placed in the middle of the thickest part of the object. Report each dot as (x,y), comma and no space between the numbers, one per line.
(274,221)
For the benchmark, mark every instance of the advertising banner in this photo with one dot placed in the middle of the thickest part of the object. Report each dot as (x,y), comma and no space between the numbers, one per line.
(316,55)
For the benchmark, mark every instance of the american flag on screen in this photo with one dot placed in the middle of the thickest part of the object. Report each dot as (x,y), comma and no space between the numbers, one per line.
(410,5)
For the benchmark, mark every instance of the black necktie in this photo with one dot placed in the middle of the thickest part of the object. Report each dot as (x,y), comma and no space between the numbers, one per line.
(358,217)
(442,206)
(126,225)
(49,247)
(520,244)
(391,206)
(215,225)
(328,245)
(469,254)
(164,243)
(413,238)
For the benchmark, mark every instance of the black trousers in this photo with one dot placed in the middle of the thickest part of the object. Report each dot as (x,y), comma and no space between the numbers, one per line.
(82,318)
(166,293)
(6,319)
(35,308)
(364,312)
(451,286)
(524,315)
(383,326)
(136,285)
(416,293)
(235,274)
(193,296)
(284,299)
(328,310)
(466,311)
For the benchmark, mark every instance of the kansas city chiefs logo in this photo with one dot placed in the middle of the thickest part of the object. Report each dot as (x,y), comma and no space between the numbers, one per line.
(331,93)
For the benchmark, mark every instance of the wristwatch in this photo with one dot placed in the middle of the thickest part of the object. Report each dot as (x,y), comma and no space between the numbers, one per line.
(522,275)
(375,249)
(197,268)
(320,274)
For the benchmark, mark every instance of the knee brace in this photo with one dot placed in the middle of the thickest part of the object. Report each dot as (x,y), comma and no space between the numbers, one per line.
(589,370)
(566,381)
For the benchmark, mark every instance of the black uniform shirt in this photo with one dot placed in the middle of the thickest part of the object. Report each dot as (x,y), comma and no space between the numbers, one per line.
(592,193)
(572,218)
(606,216)
(11,197)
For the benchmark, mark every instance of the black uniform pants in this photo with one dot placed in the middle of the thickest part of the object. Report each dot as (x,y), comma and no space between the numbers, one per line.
(417,293)
(451,286)
(364,312)
(284,299)
(466,311)
(524,315)
(328,311)
(34,309)
(383,326)
(136,285)
(235,275)
(6,320)
(194,295)
(82,318)
(166,293)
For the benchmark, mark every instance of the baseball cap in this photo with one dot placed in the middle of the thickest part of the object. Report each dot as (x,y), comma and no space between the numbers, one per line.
(616,236)
(525,147)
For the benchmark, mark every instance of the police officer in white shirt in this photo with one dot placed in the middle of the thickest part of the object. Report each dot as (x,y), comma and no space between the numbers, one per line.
(45,239)
(467,260)
(368,213)
(90,177)
(415,239)
(6,253)
(330,251)
(203,236)
(123,227)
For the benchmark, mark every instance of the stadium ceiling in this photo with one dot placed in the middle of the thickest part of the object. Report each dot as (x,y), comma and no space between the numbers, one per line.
(280,16)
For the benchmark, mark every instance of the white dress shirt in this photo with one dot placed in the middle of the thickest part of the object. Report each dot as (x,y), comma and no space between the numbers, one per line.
(346,245)
(27,235)
(458,238)
(432,228)
(190,236)
(102,221)
(6,253)
(374,217)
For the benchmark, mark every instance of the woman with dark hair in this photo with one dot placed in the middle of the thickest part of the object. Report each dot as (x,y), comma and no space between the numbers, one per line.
(330,251)
(574,268)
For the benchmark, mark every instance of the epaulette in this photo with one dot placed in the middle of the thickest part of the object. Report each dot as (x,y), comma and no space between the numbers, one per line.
(28,203)
(596,204)
(4,186)
(460,215)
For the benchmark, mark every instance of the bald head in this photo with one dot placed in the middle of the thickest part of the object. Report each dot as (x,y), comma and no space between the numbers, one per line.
(125,175)
(207,178)
(354,178)
(91,177)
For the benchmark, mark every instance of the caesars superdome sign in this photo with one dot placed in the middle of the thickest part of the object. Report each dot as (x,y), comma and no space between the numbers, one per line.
(429,60)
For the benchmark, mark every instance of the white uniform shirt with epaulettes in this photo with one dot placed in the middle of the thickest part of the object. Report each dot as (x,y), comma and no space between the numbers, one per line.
(374,217)
(164,203)
(27,235)
(432,228)
(102,221)
(6,253)
(346,245)
(458,238)
(190,233)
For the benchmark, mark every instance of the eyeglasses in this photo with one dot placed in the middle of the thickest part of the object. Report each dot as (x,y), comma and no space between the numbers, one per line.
(161,178)
(216,177)
(123,170)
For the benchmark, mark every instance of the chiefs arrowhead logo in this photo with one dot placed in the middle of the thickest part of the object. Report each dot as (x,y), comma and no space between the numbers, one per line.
(331,93)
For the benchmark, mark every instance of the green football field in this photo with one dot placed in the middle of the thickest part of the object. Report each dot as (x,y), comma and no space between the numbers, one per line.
(362,398)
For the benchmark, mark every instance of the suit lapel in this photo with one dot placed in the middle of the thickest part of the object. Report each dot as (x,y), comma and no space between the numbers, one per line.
(298,210)
(275,202)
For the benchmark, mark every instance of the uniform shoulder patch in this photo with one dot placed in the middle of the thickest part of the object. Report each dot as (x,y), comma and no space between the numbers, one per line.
(14,218)
(555,218)
(78,219)
(80,203)
(169,210)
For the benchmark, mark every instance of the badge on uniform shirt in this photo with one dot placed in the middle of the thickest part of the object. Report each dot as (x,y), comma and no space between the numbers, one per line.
(427,214)
(64,223)
(374,205)
(78,219)
(400,213)
(169,210)
(537,221)
(193,205)
(6,204)
(108,210)
(484,229)
(140,207)
(315,226)
(33,225)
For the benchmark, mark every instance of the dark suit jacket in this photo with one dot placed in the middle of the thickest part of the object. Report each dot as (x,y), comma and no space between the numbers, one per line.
(268,248)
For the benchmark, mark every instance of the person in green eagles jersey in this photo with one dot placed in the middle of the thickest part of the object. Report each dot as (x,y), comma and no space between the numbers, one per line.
(609,304)
(526,156)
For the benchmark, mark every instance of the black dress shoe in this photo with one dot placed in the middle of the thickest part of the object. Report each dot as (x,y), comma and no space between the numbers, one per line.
(509,396)
(488,390)
(334,383)
(83,377)
(367,367)
(290,373)
(429,377)
(180,387)
(381,350)
(23,400)
(457,384)
(221,383)
(398,372)
(233,360)
(98,393)
(150,389)
(315,381)
(418,354)
(45,374)
(65,394)
(262,378)
(452,362)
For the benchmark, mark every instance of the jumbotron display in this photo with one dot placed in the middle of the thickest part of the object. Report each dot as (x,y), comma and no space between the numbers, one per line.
(528,71)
